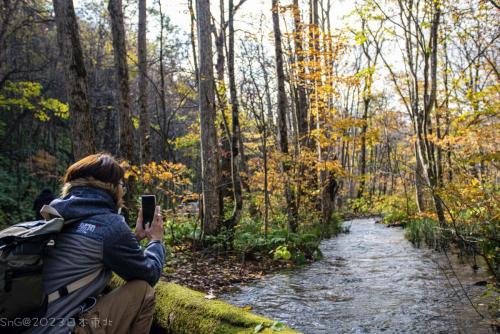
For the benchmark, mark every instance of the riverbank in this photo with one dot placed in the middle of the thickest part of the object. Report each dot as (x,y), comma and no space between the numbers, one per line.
(207,272)
(371,280)
(219,268)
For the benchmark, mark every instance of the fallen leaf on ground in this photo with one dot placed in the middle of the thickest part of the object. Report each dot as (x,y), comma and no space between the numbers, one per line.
(210,295)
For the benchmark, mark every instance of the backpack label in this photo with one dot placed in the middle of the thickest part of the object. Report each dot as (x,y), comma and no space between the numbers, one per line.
(85,228)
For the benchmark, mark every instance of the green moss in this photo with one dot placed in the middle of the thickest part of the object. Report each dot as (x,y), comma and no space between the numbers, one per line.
(181,310)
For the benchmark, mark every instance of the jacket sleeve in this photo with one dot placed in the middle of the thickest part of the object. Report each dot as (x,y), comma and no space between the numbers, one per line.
(123,254)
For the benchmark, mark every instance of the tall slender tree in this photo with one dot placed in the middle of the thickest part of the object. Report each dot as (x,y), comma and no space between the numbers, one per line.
(301,94)
(144,117)
(421,35)
(281,115)
(235,131)
(192,32)
(371,55)
(209,143)
(126,146)
(222,102)
(76,78)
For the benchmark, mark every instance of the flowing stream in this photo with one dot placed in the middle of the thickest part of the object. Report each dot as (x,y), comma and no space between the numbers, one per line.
(371,280)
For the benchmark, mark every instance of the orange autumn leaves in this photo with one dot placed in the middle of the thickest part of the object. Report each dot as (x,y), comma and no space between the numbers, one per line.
(164,178)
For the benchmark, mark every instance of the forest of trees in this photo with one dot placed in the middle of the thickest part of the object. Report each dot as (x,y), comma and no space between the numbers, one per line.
(277,122)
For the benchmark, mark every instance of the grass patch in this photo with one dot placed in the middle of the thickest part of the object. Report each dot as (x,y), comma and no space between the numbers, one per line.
(424,230)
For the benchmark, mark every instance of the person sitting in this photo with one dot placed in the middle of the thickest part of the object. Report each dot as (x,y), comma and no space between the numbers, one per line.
(88,251)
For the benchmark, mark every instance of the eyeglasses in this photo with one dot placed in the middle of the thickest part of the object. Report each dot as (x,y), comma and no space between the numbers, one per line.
(124,187)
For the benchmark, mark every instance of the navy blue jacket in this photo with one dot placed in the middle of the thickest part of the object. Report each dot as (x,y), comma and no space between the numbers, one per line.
(100,241)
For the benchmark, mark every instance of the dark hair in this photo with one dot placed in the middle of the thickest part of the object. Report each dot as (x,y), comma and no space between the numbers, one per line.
(100,166)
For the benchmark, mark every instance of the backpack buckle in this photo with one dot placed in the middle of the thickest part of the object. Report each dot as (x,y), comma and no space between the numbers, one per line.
(63,291)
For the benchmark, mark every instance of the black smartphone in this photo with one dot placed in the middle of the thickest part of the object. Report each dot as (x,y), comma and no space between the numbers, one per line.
(148,209)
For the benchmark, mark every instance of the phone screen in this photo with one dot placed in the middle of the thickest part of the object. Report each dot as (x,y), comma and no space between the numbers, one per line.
(148,208)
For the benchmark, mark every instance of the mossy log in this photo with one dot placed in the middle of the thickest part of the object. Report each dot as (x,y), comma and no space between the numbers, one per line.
(181,310)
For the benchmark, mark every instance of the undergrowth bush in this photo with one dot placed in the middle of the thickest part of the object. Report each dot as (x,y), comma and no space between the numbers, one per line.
(249,241)
(179,231)
(281,244)
(393,208)
(424,230)
(359,206)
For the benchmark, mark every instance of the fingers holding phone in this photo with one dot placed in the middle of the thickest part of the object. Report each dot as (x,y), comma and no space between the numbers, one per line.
(155,230)
(150,218)
(140,233)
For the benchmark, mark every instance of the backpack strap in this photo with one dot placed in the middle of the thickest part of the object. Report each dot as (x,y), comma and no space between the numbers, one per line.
(66,290)
(48,212)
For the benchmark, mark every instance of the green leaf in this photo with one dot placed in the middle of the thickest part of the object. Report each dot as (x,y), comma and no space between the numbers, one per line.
(135,122)
(42,116)
(487,293)
(365,72)
(360,38)
(60,109)
(282,252)
(277,326)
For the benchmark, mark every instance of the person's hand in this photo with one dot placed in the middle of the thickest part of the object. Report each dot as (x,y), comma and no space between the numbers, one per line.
(140,233)
(154,231)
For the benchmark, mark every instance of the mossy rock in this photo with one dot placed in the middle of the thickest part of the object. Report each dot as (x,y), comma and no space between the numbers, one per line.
(181,310)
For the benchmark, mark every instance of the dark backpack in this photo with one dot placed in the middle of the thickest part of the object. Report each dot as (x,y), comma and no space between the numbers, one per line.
(22,249)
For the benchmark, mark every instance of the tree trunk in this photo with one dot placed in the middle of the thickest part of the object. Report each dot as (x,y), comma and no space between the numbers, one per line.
(221,89)
(126,146)
(209,143)
(436,181)
(371,62)
(301,96)
(235,131)
(362,158)
(425,145)
(447,114)
(419,184)
(281,110)
(163,99)
(193,35)
(327,184)
(266,182)
(144,117)
(76,77)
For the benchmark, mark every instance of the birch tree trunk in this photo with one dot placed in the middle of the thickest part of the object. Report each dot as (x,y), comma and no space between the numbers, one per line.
(209,143)
(76,77)
(192,32)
